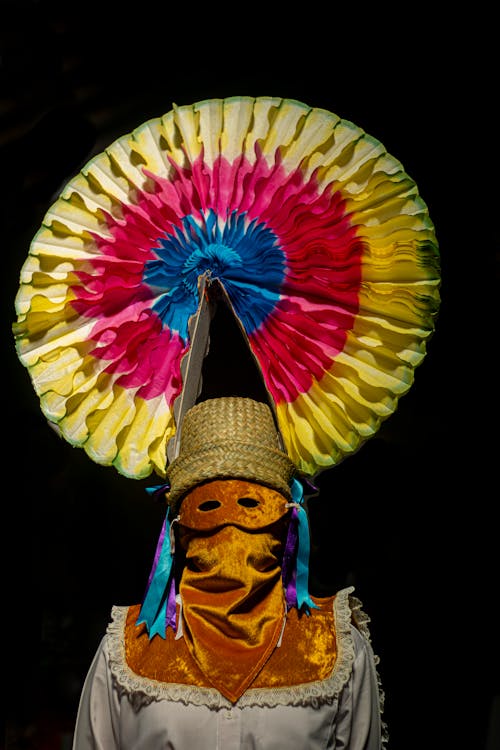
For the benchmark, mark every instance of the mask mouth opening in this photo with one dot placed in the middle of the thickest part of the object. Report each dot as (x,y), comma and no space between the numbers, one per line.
(184,534)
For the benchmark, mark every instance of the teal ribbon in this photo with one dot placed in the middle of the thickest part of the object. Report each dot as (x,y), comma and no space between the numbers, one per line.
(303,549)
(154,607)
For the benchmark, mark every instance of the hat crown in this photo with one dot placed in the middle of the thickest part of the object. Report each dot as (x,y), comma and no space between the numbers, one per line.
(232,418)
(229,437)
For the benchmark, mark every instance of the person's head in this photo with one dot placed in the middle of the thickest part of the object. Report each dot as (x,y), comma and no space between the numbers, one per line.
(236,500)
(230,478)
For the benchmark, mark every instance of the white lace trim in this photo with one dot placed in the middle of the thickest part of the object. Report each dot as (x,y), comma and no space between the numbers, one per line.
(144,690)
(361,620)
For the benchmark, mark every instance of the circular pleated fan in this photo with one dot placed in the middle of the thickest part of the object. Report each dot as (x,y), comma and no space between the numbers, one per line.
(322,245)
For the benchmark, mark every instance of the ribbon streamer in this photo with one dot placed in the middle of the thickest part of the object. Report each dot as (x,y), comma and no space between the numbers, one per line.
(158,607)
(297,582)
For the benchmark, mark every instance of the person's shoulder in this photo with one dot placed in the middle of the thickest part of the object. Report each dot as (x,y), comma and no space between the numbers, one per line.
(359,618)
(122,619)
(122,614)
(348,616)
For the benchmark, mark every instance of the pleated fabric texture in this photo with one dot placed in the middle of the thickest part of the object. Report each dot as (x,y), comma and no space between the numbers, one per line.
(321,242)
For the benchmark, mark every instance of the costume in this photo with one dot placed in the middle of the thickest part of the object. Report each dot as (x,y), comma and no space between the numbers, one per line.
(321,246)
(240,652)
(341,711)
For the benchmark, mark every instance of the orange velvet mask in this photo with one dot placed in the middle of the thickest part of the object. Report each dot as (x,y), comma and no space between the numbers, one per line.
(233,606)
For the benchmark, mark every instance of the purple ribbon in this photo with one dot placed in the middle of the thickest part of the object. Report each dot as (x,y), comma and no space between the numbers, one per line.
(289,569)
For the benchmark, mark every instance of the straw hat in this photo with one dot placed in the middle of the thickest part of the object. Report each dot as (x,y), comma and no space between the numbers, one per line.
(230,437)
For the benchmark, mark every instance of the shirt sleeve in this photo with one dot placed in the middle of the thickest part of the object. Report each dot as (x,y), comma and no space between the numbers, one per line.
(359,724)
(97,718)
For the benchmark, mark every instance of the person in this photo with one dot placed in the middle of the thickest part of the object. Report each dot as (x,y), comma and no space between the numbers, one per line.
(228,649)
(323,250)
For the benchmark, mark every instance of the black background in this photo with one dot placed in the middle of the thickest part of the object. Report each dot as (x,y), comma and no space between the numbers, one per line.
(410,519)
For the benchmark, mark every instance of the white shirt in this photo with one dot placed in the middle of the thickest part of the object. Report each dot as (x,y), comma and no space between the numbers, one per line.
(122,711)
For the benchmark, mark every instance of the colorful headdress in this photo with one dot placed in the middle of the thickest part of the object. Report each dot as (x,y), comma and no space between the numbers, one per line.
(321,245)
(313,235)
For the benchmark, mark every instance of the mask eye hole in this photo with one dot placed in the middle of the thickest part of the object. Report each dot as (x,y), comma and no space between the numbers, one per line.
(209,505)
(248,502)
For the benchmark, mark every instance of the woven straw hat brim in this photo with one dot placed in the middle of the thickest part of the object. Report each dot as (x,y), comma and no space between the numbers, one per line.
(230,459)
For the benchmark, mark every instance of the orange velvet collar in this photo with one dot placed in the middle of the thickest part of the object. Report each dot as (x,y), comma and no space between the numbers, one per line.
(308,652)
